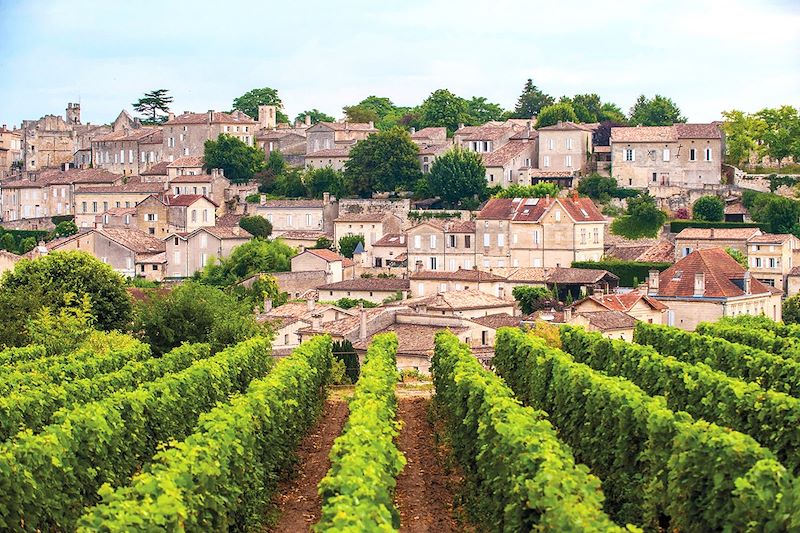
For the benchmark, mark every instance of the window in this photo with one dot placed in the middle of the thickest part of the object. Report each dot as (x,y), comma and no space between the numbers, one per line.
(692,154)
(433,242)
(194,215)
(708,154)
(491,178)
(105,219)
(558,215)
(686,251)
(83,205)
(105,206)
(289,220)
(501,240)
(130,156)
(205,215)
(432,263)
(151,231)
(655,177)
(171,142)
(772,262)
(452,265)
(569,144)
(94,207)
(666,154)
(536,236)
(467,241)
(551,144)
(486,263)
(452,241)
(583,236)
(185,151)
(176,256)
(515,238)
(758,262)
(417,241)
(308,219)
(630,155)
(596,236)
(467,264)
(127,219)
(501,263)
(546,161)
(152,217)
(144,157)
(568,161)
(176,241)
(487,239)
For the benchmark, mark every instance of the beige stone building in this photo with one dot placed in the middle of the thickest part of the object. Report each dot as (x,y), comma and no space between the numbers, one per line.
(373,226)
(374,290)
(152,216)
(538,232)
(390,251)
(288,319)
(307,215)
(565,146)
(635,303)
(50,141)
(709,284)
(128,151)
(10,150)
(431,282)
(186,134)
(683,155)
(772,257)
(336,158)
(189,212)
(510,163)
(187,253)
(611,324)
(336,135)
(94,200)
(335,266)
(483,139)
(8,261)
(442,245)
(692,239)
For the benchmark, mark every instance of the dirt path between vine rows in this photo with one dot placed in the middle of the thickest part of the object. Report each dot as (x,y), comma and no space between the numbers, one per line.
(297,501)
(424,494)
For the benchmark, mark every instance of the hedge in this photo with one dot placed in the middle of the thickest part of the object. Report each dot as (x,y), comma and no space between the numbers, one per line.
(770,417)
(358,491)
(751,364)
(524,478)
(58,219)
(660,468)
(676,226)
(626,271)
(762,322)
(221,476)
(763,339)
(46,479)
(12,356)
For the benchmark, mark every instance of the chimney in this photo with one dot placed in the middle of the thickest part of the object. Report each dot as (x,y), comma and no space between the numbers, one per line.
(267,305)
(345,125)
(362,322)
(170,116)
(326,198)
(699,284)
(597,292)
(210,115)
(747,282)
(567,315)
(308,119)
(652,282)
(412,131)
(262,199)
(310,303)
(371,125)
(402,239)
(460,125)
(315,324)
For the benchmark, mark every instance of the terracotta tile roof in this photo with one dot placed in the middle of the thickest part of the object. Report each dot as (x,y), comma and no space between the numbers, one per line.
(736,208)
(392,240)
(580,209)
(498,209)
(140,134)
(719,269)
(368,284)
(430,133)
(197,178)
(399,258)
(133,186)
(148,258)
(496,321)
(449,225)
(297,204)
(217,117)
(330,152)
(291,312)
(411,338)
(568,126)
(342,126)
(276,135)
(665,133)
(459,275)
(185,200)
(229,219)
(699,131)
(771,238)
(434,149)
(505,153)
(226,232)
(121,211)
(347,324)
(574,276)
(609,320)
(488,133)
(523,274)
(602,149)
(525,133)
(722,234)
(323,253)
(64,177)
(133,239)
(459,301)
(647,250)
(361,217)
(188,161)
(155,138)
(159,169)
(623,302)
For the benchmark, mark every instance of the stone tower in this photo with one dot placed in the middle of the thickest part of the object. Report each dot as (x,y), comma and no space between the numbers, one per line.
(267,116)
(73,113)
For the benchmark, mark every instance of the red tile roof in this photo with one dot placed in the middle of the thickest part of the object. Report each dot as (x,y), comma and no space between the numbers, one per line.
(392,240)
(140,135)
(721,234)
(771,238)
(665,133)
(567,126)
(342,126)
(185,200)
(609,320)
(719,269)
(368,284)
(459,275)
(450,225)
(623,302)
(361,217)
(217,117)
(188,161)
(330,152)
(298,203)
(498,320)
(158,169)
(430,133)
(323,253)
(580,209)
(505,153)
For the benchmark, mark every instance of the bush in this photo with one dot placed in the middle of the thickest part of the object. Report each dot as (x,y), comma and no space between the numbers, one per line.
(709,208)
(791,309)
(348,243)
(532,299)
(344,351)
(257,226)
(349,303)
(627,271)
(66,228)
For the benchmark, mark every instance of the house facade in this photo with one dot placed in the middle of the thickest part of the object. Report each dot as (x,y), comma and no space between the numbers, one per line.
(187,253)
(565,147)
(771,257)
(510,163)
(299,214)
(441,245)
(186,134)
(335,266)
(372,226)
(339,135)
(94,200)
(10,150)
(127,152)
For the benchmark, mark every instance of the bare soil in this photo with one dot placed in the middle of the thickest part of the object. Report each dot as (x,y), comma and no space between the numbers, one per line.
(425,491)
(297,501)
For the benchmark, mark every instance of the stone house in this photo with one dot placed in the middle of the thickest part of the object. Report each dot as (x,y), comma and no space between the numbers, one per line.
(50,141)
(437,244)
(373,226)
(429,136)
(336,267)
(288,319)
(509,163)
(190,252)
(539,232)
(188,212)
(8,261)
(290,142)
(374,290)
(336,135)
(152,216)
(187,133)
(709,284)
(429,152)
(565,146)
(467,303)
(299,214)
(611,324)
(683,155)
(692,239)
(127,152)
(118,217)
(485,138)
(635,303)
(94,200)
(336,158)
(10,150)
(186,176)
(390,251)
(772,257)
(432,281)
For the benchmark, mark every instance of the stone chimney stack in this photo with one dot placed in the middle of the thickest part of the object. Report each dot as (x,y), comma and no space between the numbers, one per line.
(699,284)
(326,198)
(362,322)
(170,116)
(73,115)
(210,117)
(310,303)
(747,284)
(652,282)
(315,321)
(267,305)
(308,120)
(567,315)
(371,124)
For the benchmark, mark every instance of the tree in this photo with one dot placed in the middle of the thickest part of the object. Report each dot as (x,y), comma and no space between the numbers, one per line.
(457,174)
(780,134)
(239,161)
(324,243)
(370,109)
(532,298)
(360,113)
(597,187)
(741,131)
(539,190)
(27,244)
(443,109)
(781,214)
(47,280)
(322,180)
(348,243)
(710,208)
(316,116)
(344,351)
(154,106)
(643,218)
(256,225)
(8,242)
(385,161)
(253,257)
(738,256)
(66,228)
(290,184)
(248,103)
(791,310)
(193,312)
(553,114)
(65,331)
(275,166)
(481,111)
(531,101)
(658,111)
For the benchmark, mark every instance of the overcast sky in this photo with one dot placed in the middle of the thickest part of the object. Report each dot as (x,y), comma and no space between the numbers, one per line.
(706,55)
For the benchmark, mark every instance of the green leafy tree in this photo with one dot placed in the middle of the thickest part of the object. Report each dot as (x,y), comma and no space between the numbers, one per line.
(239,161)
(480,111)
(643,218)
(780,134)
(710,208)
(65,331)
(553,114)
(8,242)
(27,244)
(248,102)
(457,174)
(322,180)
(44,282)
(344,351)
(791,310)
(253,257)
(589,108)
(781,214)
(385,161)
(443,109)
(597,187)
(738,256)
(741,131)
(656,111)
(532,299)
(360,113)
(371,109)
(539,190)
(154,106)
(263,287)
(193,312)
(348,243)
(275,166)
(290,184)
(531,101)
(66,228)
(324,243)
(256,225)
(316,116)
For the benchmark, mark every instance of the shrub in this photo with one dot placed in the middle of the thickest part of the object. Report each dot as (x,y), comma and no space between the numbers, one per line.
(709,208)
(257,226)
(627,271)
